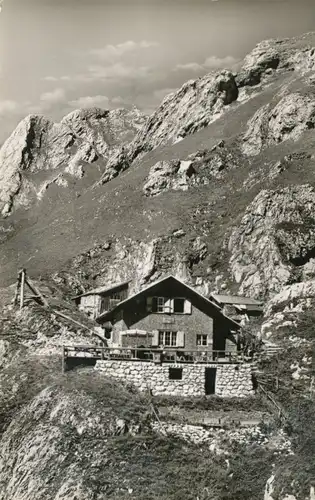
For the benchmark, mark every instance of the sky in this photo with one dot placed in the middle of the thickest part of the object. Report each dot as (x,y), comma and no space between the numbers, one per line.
(59,55)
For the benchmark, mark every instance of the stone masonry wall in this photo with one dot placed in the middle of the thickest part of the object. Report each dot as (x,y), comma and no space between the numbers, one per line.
(232,380)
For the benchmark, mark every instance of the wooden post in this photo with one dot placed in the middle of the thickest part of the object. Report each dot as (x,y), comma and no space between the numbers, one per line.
(311,386)
(63,360)
(17,289)
(22,288)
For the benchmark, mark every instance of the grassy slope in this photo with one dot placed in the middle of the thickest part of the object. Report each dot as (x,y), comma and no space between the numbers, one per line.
(147,465)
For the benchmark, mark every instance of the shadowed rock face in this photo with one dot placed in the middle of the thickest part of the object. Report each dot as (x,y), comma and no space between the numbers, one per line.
(271,55)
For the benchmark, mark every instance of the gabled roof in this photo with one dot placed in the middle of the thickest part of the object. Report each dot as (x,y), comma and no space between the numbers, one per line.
(102,289)
(108,314)
(235,299)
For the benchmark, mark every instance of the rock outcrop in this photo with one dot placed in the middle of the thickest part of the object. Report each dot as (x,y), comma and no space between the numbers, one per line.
(165,175)
(274,240)
(293,114)
(277,54)
(197,169)
(263,57)
(42,450)
(292,298)
(194,106)
(138,261)
(37,145)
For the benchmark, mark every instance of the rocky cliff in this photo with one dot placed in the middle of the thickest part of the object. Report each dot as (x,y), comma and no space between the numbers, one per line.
(40,153)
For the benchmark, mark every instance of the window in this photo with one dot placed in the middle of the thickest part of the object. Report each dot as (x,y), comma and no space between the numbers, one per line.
(160,304)
(116,296)
(165,305)
(202,339)
(175,373)
(179,305)
(104,304)
(168,338)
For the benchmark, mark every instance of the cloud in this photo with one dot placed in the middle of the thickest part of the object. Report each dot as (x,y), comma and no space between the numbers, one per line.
(118,100)
(117,71)
(90,102)
(195,67)
(54,97)
(212,62)
(114,52)
(56,78)
(108,63)
(8,107)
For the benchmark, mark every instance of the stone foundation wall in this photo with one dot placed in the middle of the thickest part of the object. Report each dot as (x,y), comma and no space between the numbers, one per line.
(232,380)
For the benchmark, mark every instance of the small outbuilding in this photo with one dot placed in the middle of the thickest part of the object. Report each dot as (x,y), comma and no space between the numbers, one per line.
(237,307)
(102,299)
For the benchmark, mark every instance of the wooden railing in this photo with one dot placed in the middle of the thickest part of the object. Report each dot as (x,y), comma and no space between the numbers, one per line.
(154,355)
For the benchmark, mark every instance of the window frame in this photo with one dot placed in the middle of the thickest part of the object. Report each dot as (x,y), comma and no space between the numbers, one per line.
(166,305)
(172,337)
(202,336)
(160,303)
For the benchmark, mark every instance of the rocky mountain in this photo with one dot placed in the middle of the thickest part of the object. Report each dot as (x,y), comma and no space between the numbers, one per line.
(216,187)
(40,153)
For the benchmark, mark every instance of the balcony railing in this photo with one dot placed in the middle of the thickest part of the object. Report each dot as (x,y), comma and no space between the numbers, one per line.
(155,355)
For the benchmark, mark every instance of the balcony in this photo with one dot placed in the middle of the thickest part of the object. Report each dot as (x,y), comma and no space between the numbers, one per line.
(177,356)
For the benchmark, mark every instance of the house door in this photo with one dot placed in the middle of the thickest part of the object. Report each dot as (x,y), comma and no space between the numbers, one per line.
(210,376)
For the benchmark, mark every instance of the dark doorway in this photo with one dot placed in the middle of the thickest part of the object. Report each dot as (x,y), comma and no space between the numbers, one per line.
(210,376)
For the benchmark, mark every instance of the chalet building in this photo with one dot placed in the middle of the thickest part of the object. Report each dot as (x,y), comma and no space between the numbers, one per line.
(101,300)
(241,309)
(170,314)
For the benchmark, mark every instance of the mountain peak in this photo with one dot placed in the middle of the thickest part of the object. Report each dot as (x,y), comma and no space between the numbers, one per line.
(83,137)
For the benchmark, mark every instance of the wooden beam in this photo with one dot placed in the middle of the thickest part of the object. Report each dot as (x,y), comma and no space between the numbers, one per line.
(35,290)
(22,288)
(78,323)
(71,319)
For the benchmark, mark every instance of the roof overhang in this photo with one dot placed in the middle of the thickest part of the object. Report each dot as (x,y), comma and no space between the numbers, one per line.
(102,290)
(235,300)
